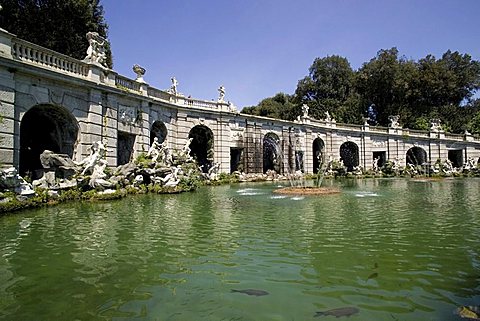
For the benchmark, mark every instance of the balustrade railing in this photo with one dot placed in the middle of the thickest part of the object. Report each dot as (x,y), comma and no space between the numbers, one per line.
(454,136)
(200,103)
(157,93)
(417,133)
(379,129)
(126,83)
(349,126)
(46,58)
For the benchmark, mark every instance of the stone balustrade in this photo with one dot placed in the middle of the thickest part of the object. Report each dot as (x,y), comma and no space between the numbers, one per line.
(378,129)
(159,94)
(46,58)
(122,82)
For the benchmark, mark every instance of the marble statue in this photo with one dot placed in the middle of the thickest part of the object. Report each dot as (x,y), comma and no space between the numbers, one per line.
(448,167)
(98,177)
(97,155)
(394,121)
(12,181)
(96,49)
(185,152)
(375,166)
(396,164)
(173,87)
(155,150)
(172,180)
(212,173)
(305,109)
(221,94)
(435,125)
(328,118)
(470,164)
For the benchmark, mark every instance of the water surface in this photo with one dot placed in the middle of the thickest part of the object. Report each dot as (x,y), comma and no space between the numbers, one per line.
(394,249)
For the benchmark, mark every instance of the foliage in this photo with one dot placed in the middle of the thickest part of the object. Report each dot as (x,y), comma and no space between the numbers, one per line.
(388,84)
(143,161)
(60,25)
(474,124)
(328,87)
(279,106)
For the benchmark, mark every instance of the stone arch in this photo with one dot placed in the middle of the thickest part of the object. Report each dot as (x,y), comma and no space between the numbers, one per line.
(45,127)
(158,130)
(271,153)
(349,155)
(416,156)
(318,147)
(201,147)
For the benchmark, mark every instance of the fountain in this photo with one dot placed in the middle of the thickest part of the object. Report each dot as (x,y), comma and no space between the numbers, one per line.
(296,176)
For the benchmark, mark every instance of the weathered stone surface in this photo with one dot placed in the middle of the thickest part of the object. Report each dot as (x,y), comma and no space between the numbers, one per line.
(49,159)
(11,181)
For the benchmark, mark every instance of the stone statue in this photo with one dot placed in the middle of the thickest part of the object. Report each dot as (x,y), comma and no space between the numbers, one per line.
(10,180)
(448,166)
(305,109)
(98,177)
(328,118)
(221,92)
(394,121)
(96,49)
(97,156)
(173,87)
(396,164)
(435,125)
(470,164)
(375,166)
(185,152)
(171,180)
(155,150)
(212,173)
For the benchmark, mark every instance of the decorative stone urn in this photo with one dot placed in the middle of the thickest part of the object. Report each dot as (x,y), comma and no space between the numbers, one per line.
(139,71)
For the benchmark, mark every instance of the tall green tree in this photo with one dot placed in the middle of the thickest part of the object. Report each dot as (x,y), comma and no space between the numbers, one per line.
(327,87)
(279,106)
(60,25)
(386,83)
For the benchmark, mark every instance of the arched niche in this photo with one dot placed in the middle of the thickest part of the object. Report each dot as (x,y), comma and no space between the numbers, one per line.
(158,130)
(201,147)
(271,153)
(349,155)
(416,156)
(318,147)
(45,127)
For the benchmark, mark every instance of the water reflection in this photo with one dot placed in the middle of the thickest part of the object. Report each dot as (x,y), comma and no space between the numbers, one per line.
(399,249)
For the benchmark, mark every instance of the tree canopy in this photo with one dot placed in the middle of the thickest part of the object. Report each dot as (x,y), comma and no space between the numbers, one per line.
(60,25)
(389,84)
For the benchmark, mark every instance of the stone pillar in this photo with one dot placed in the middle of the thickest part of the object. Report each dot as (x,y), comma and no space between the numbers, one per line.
(286,147)
(222,144)
(9,120)
(92,126)
(253,147)
(110,127)
(142,143)
(308,152)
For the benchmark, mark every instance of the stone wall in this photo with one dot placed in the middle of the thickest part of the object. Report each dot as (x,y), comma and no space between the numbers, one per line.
(121,112)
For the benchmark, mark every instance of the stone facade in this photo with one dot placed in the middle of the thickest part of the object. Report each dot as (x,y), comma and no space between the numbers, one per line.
(96,104)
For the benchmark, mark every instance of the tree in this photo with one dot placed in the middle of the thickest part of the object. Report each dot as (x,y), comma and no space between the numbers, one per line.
(387,82)
(279,106)
(60,25)
(327,87)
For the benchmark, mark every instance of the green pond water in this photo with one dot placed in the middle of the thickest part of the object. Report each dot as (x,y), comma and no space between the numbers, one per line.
(394,249)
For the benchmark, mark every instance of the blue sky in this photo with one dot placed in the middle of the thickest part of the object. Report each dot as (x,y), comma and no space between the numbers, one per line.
(257,48)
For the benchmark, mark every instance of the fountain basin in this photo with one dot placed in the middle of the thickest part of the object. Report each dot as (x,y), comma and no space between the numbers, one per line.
(309,190)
